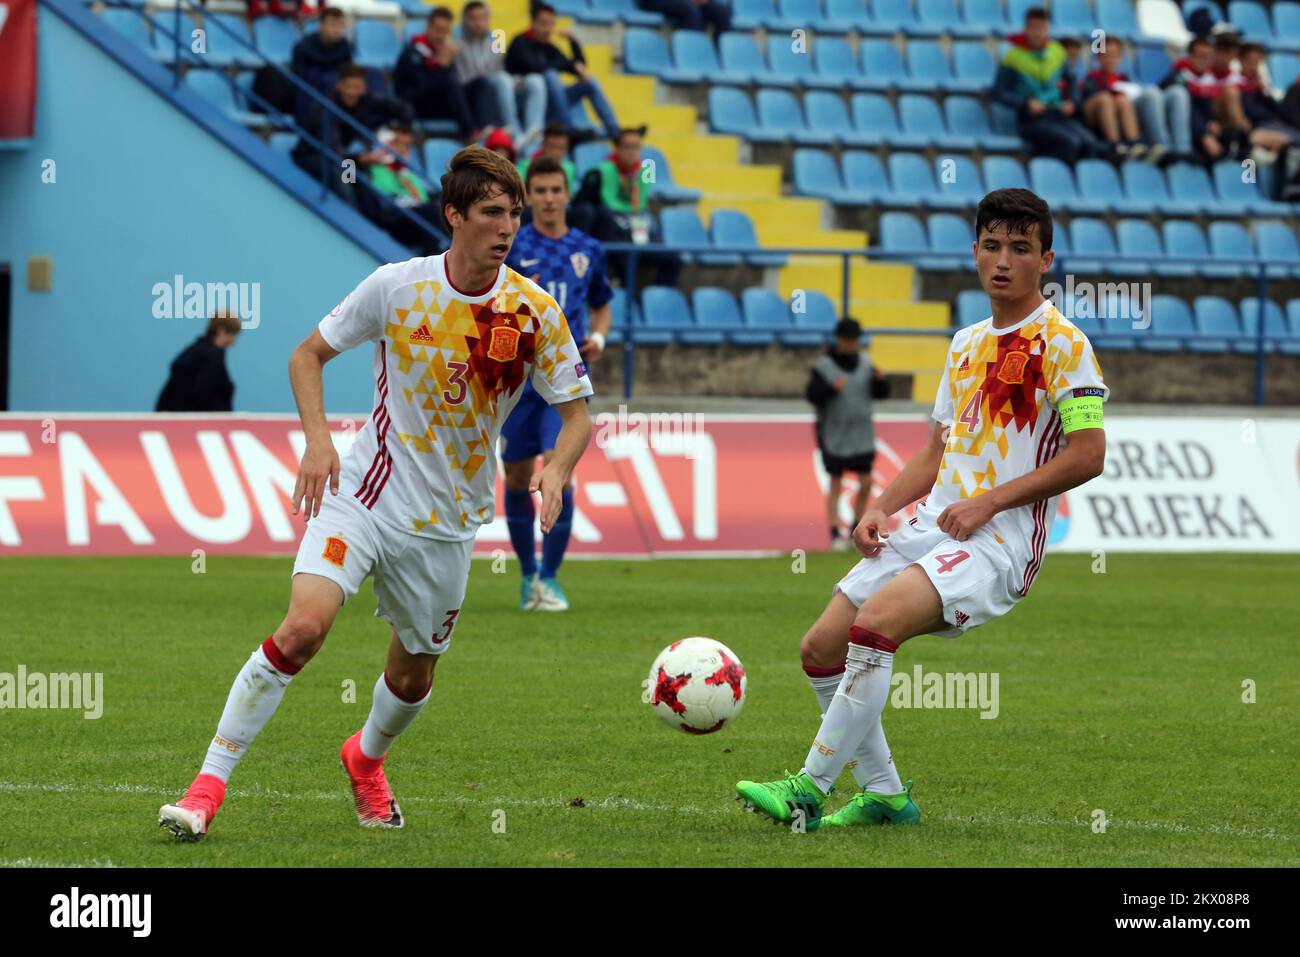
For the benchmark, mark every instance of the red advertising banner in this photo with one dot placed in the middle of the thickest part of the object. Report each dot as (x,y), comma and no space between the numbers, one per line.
(654,484)
(17,69)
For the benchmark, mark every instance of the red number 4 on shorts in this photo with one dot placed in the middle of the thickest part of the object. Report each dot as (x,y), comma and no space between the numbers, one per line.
(948,562)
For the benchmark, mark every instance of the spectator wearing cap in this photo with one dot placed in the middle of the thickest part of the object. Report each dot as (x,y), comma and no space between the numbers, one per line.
(198,380)
(841,387)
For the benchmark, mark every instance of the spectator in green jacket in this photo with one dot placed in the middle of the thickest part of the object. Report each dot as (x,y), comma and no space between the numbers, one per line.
(621,186)
(392,176)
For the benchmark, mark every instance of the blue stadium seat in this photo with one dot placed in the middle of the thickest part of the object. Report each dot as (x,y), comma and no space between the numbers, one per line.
(612,11)
(873,116)
(952,237)
(1251,21)
(1230,243)
(665,314)
(864,176)
(1004,172)
(1052,180)
(1283,69)
(966,119)
(693,52)
(848,14)
(682,227)
(779,111)
(1293,316)
(740,56)
(751,14)
(973,64)
(1118,19)
(666,187)
(131,25)
(1095,250)
(913,182)
(1274,325)
(283,143)
(730,111)
(1191,184)
(276,38)
(1185,239)
(223,31)
(1152,64)
(437,154)
(959,178)
(785,65)
(1251,196)
(927,63)
(1139,240)
(827,113)
(920,117)
(217,89)
(731,227)
(415,9)
(899,15)
(1274,240)
(883,66)
(587,156)
(1069,18)
(375,44)
(1145,184)
(1098,180)
(986,16)
(808,13)
(814,173)
(645,52)
(972,307)
(716,309)
(618,308)
(943,15)
(162,26)
(1169,317)
(1286,26)
(818,313)
(1217,325)
(765,310)
(834,59)
(903,233)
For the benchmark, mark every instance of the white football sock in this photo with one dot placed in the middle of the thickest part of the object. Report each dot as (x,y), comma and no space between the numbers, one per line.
(389,717)
(858,702)
(872,764)
(253,698)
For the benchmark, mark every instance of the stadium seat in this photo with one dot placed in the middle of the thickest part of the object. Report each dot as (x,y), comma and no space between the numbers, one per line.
(694,52)
(681,228)
(276,38)
(920,118)
(826,112)
(928,64)
(808,13)
(375,44)
(779,112)
(787,66)
(1184,240)
(864,176)
(222,34)
(1118,19)
(1004,172)
(904,234)
(283,143)
(644,52)
(731,227)
(951,237)
(741,57)
(1139,240)
(1293,317)
(1274,325)
(848,15)
(130,25)
(748,15)
(763,309)
(814,173)
(834,60)
(163,27)
(818,313)
(1252,197)
(1145,184)
(898,16)
(437,157)
(1274,240)
(1230,243)
(1152,64)
(943,16)
(966,119)
(1069,17)
(665,314)
(1098,180)
(972,307)
(1286,26)
(1217,326)
(1095,250)
(913,183)
(1283,69)
(1051,179)
(730,111)
(973,64)
(716,309)
(959,177)
(883,66)
(1251,21)
(587,156)
(666,187)
(618,308)
(873,116)
(614,11)
(1191,184)
(218,89)
(1170,317)
(1163,20)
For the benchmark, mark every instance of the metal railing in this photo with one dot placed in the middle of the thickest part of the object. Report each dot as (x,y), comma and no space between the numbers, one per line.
(1262,339)
(331,161)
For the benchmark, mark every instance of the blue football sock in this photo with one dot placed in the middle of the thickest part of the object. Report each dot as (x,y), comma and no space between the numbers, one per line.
(520,514)
(556,541)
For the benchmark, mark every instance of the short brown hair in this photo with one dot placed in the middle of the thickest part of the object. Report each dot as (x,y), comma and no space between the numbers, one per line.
(332,13)
(1037,13)
(540,167)
(475,173)
(349,71)
(440,13)
(223,321)
(1020,210)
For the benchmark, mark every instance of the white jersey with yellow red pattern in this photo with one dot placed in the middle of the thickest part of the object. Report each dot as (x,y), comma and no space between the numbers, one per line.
(449,366)
(998,398)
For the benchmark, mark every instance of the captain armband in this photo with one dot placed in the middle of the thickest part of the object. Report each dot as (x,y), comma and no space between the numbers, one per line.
(1081,409)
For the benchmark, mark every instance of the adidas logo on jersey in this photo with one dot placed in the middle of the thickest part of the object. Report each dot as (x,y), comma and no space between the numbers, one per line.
(965,364)
(422,334)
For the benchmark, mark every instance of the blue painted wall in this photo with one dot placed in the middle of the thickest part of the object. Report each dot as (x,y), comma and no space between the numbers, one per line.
(129,209)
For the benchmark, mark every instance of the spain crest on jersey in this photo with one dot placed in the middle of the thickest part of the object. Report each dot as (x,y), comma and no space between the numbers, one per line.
(580,263)
(1013,368)
(504,344)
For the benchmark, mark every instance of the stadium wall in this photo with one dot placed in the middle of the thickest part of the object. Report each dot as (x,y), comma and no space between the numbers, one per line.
(127,185)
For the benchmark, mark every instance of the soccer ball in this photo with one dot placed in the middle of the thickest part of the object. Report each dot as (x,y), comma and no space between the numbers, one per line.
(697,685)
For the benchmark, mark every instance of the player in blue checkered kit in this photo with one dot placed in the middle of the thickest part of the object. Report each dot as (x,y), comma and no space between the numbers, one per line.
(570,265)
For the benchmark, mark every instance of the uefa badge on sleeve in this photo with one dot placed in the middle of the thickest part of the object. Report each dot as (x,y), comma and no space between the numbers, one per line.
(581,369)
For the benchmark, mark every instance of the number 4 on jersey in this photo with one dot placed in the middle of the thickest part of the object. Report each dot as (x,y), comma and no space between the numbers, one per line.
(971,414)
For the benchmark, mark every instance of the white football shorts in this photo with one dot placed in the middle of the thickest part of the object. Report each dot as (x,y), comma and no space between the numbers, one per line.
(420,582)
(976,579)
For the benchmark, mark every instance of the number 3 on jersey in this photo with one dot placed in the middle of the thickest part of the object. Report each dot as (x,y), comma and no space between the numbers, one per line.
(970,416)
(457,382)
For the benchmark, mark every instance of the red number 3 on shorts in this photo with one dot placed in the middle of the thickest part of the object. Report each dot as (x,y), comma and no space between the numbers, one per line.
(449,624)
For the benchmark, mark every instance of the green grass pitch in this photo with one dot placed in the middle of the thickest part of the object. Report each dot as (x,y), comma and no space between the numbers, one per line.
(1120,692)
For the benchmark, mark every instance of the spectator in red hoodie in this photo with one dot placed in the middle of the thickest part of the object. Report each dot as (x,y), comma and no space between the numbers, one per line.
(425,78)
(1108,102)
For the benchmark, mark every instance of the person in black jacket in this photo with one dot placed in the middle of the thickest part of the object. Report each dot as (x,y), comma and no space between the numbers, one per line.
(198,381)
(426,77)
(533,52)
(318,57)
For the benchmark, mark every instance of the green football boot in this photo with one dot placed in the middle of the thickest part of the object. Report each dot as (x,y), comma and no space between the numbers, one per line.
(778,800)
(869,808)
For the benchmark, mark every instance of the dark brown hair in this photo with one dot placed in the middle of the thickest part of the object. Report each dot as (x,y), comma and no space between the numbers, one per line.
(332,13)
(1020,210)
(475,173)
(349,70)
(540,167)
(1037,13)
(440,13)
(223,321)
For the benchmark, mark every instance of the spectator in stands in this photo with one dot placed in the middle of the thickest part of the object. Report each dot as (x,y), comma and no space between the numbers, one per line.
(495,96)
(285,9)
(498,141)
(533,52)
(1109,106)
(1231,105)
(1195,73)
(1072,75)
(1270,130)
(392,176)
(425,76)
(842,384)
(318,57)
(1029,82)
(581,214)
(692,14)
(369,110)
(620,188)
(198,381)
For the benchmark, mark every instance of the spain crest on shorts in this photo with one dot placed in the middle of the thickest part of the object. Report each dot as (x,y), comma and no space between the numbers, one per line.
(336,551)
(504,344)
(580,263)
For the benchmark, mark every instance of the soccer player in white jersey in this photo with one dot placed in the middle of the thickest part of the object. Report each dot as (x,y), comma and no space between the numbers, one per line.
(455,337)
(1017,421)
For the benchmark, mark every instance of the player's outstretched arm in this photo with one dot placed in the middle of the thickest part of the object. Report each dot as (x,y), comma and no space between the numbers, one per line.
(1082,460)
(915,480)
(320,461)
(575,433)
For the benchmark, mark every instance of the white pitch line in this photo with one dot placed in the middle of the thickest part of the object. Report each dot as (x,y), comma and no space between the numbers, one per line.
(628,804)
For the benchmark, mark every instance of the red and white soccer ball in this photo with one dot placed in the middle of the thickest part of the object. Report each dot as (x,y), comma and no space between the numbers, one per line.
(696,685)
